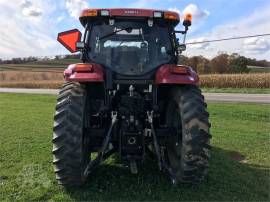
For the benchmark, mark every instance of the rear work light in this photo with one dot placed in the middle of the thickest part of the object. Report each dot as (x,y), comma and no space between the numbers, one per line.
(179,70)
(157,14)
(83,67)
(104,13)
(170,16)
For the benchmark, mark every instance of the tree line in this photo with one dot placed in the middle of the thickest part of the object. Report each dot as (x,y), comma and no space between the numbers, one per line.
(19,60)
(222,63)
(33,59)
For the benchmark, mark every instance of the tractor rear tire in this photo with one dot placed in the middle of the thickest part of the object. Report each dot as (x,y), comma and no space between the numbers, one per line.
(188,153)
(70,156)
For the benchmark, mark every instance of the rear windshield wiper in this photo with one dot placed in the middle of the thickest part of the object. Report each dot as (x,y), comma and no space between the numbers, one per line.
(116,31)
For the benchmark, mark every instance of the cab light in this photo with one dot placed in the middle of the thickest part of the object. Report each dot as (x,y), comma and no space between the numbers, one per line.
(179,70)
(170,16)
(104,13)
(83,67)
(91,13)
(157,14)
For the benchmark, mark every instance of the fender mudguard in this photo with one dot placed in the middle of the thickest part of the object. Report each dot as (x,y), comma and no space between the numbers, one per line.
(165,75)
(93,73)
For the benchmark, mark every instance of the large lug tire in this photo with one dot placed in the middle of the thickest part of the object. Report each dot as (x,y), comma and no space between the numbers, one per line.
(70,156)
(188,152)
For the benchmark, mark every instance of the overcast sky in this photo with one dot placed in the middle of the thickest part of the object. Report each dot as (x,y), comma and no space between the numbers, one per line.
(30,27)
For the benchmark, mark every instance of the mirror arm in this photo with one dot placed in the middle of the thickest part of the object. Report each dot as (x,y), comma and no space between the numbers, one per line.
(182,47)
(182,32)
(186,24)
(85,48)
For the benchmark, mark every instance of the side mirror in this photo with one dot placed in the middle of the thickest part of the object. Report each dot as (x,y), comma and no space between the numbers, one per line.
(69,39)
(80,45)
(182,47)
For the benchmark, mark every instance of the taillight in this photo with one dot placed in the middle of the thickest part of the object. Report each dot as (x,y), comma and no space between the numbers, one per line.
(83,67)
(179,70)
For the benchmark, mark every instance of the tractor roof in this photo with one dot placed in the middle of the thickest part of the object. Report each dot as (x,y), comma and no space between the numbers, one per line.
(129,13)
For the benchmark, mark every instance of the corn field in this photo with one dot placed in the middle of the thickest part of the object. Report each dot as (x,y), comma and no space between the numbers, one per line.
(23,79)
(15,76)
(259,80)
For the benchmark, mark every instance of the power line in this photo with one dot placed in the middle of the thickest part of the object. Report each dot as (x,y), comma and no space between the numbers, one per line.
(226,39)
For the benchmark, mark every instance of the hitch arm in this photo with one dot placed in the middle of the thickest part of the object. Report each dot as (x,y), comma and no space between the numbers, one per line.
(101,154)
(159,152)
(156,146)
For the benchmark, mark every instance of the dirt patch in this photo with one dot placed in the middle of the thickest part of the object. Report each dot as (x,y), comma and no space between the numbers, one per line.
(236,156)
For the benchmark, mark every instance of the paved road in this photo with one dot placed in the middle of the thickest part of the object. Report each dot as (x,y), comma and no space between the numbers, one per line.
(238,97)
(29,91)
(212,97)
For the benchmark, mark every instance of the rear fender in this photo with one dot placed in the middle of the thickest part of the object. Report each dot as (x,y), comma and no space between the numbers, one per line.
(165,75)
(95,73)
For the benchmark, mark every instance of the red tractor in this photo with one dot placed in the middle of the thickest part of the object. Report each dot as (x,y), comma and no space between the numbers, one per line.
(131,97)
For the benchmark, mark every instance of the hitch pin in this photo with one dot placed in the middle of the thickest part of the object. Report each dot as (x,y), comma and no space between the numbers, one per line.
(114,116)
(131,90)
(150,116)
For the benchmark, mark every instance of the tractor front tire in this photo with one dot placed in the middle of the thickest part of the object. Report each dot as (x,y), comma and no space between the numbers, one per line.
(188,153)
(70,156)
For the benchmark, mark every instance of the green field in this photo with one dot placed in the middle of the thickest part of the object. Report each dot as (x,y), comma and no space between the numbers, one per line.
(46,65)
(259,70)
(239,170)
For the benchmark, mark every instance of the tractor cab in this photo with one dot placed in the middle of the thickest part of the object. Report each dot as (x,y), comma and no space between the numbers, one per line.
(131,42)
(130,48)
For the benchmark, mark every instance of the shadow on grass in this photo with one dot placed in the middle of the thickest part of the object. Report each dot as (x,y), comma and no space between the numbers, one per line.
(228,180)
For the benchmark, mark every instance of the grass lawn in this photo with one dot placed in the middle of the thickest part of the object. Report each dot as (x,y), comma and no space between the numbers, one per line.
(239,169)
(237,90)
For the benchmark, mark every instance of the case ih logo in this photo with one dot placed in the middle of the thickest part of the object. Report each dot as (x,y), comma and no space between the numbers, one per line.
(131,12)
